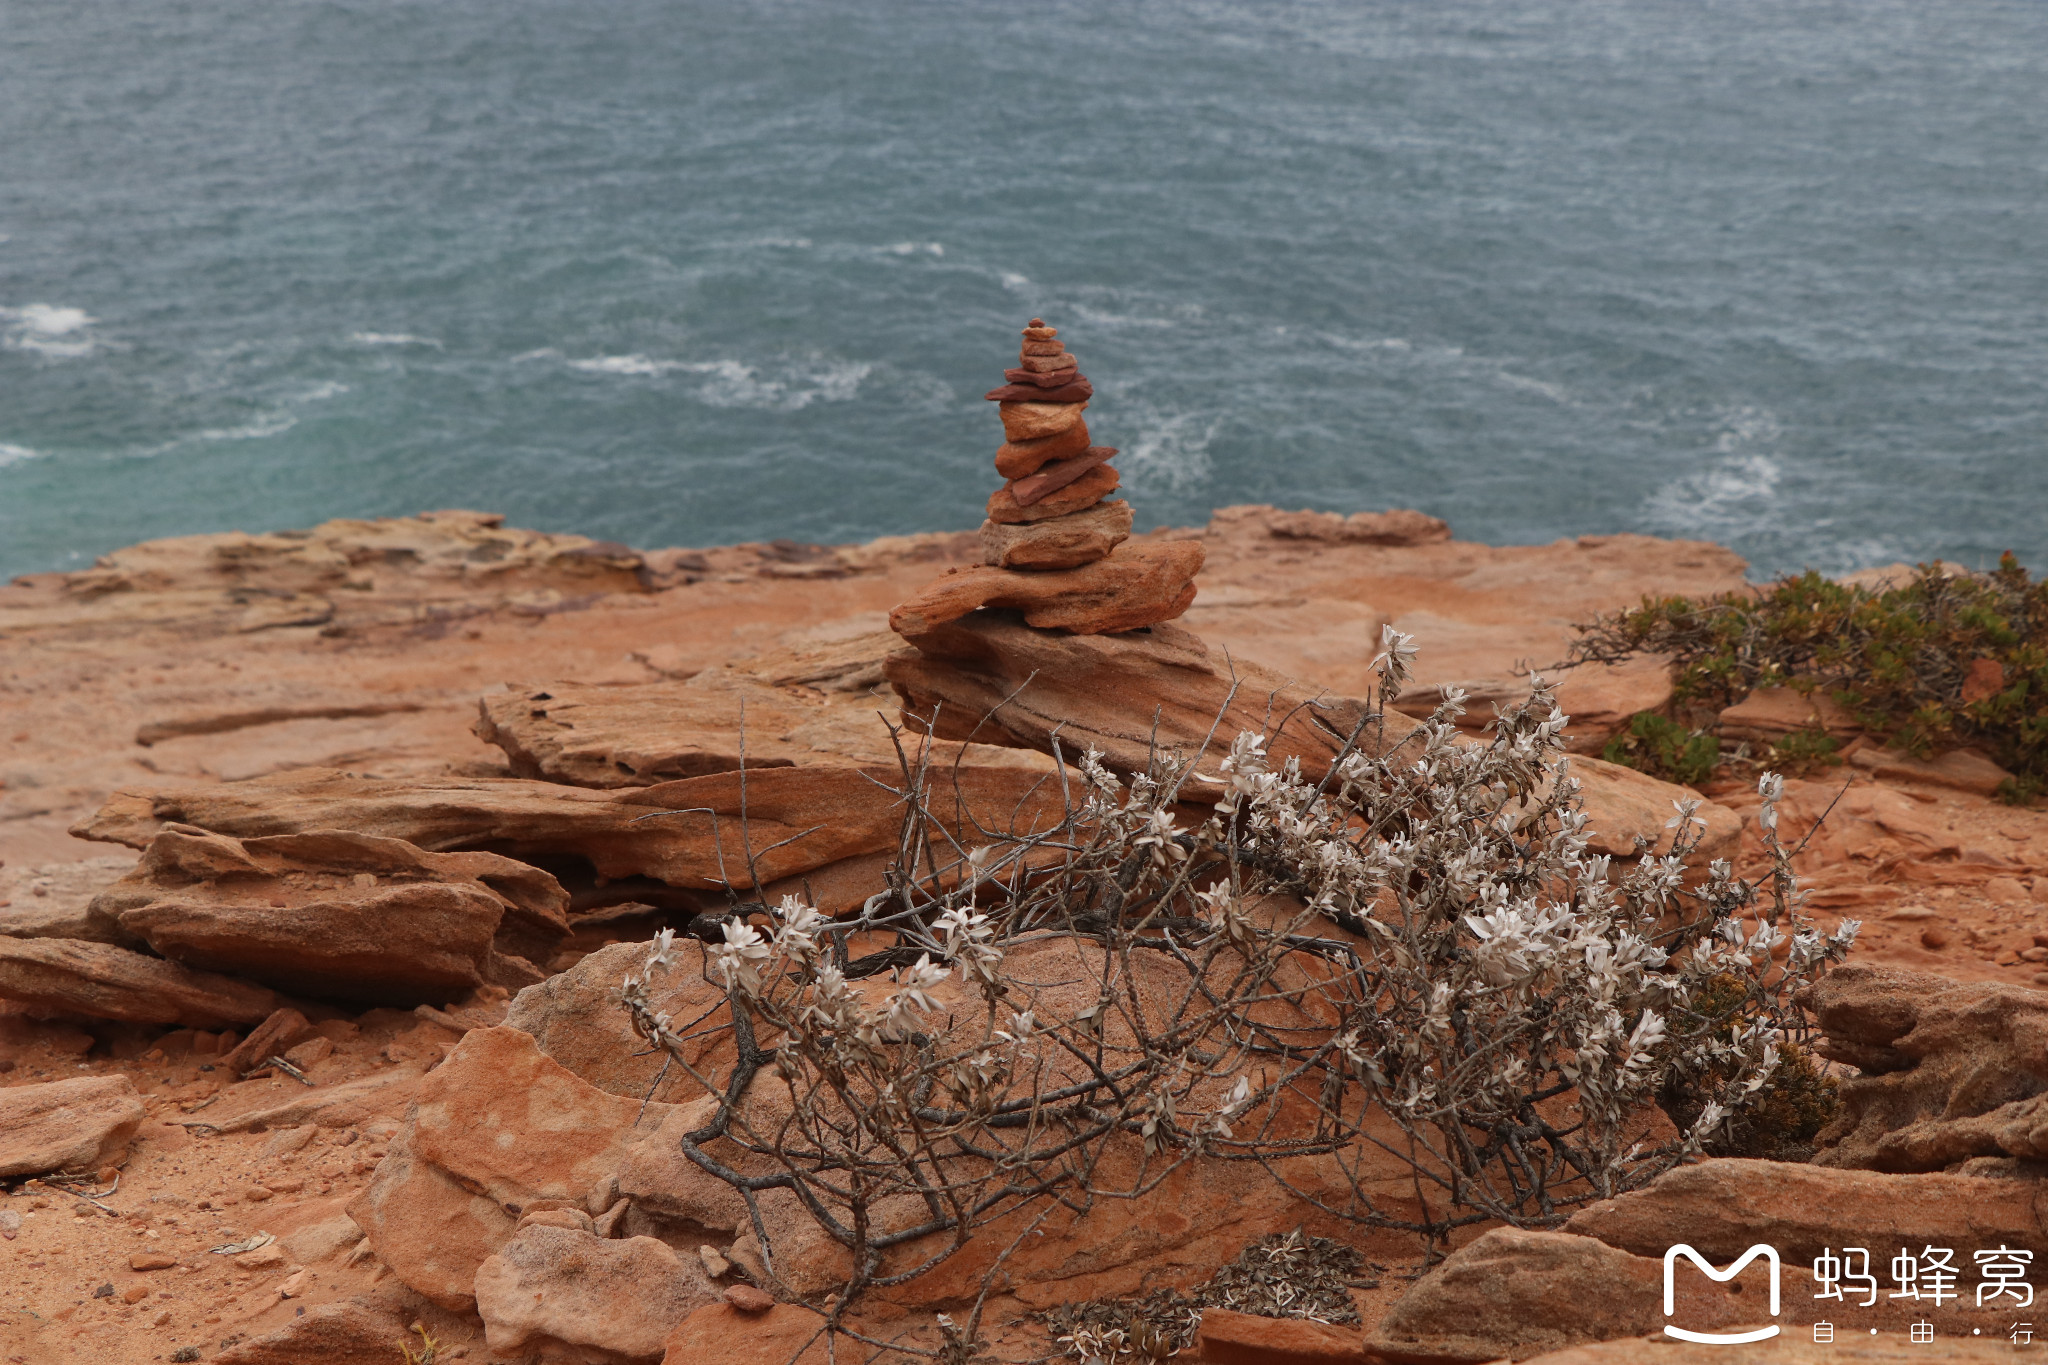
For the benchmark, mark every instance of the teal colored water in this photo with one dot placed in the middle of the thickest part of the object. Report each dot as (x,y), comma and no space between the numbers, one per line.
(1773,272)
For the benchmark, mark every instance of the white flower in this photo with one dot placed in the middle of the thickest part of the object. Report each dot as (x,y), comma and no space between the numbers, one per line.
(660,955)
(912,993)
(1397,652)
(738,959)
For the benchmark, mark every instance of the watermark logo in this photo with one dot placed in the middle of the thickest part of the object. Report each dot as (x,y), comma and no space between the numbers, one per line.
(1769,1253)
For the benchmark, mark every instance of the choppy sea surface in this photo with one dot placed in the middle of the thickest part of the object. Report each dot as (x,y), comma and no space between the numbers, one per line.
(1773,272)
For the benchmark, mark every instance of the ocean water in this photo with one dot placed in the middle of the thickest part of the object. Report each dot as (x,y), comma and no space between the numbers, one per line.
(1773,272)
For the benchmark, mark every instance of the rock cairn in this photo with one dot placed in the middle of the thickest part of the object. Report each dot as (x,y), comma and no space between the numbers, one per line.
(1050,543)
(1053,513)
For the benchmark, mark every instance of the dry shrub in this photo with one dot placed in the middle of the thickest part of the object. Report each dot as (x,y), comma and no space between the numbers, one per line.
(1416,959)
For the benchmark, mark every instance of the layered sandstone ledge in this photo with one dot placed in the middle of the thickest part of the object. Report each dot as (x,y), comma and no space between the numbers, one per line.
(464,686)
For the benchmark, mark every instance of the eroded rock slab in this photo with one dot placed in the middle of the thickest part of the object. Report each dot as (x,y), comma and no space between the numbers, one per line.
(58,977)
(338,915)
(563,1293)
(773,828)
(1142,584)
(79,1124)
(494,1128)
(637,735)
(1512,1294)
(1723,1207)
(1949,1071)
(993,679)
(345,1333)
(575,1018)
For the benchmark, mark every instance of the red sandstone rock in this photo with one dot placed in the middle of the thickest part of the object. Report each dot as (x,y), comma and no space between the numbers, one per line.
(1032,421)
(800,823)
(80,1124)
(1020,459)
(348,1333)
(337,913)
(748,1299)
(574,1017)
(1053,477)
(998,682)
(1722,1207)
(424,944)
(1949,1072)
(1229,1338)
(1077,391)
(1963,769)
(427,1227)
(66,977)
(1399,526)
(1513,1293)
(1095,483)
(786,1334)
(1035,379)
(1057,542)
(495,1127)
(565,1294)
(268,1039)
(1142,584)
(1045,364)
(1771,713)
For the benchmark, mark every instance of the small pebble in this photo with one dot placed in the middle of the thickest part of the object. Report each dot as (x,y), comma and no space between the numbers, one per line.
(135,1293)
(748,1299)
(151,1260)
(1933,938)
(256,1194)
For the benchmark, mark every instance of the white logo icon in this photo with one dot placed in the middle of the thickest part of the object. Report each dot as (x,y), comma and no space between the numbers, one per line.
(1769,1253)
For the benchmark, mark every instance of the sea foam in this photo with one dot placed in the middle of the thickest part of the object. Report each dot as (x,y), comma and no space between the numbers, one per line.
(49,329)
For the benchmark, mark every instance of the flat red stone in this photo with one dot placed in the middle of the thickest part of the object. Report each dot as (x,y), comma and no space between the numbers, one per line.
(1056,475)
(1046,379)
(1080,391)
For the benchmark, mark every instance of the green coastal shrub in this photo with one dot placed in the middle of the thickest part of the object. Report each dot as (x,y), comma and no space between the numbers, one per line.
(1804,750)
(1932,663)
(1661,747)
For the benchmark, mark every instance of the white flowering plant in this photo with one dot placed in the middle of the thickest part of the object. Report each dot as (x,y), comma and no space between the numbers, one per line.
(1409,962)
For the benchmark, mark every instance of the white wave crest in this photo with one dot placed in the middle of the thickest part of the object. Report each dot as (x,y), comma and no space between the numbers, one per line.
(325,389)
(49,329)
(1736,494)
(14,454)
(1556,393)
(269,424)
(914,248)
(622,364)
(392,339)
(1170,454)
(736,384)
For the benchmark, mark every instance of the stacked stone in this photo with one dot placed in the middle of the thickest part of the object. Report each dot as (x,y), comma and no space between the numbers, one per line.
(1052,513)
(1054,544)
